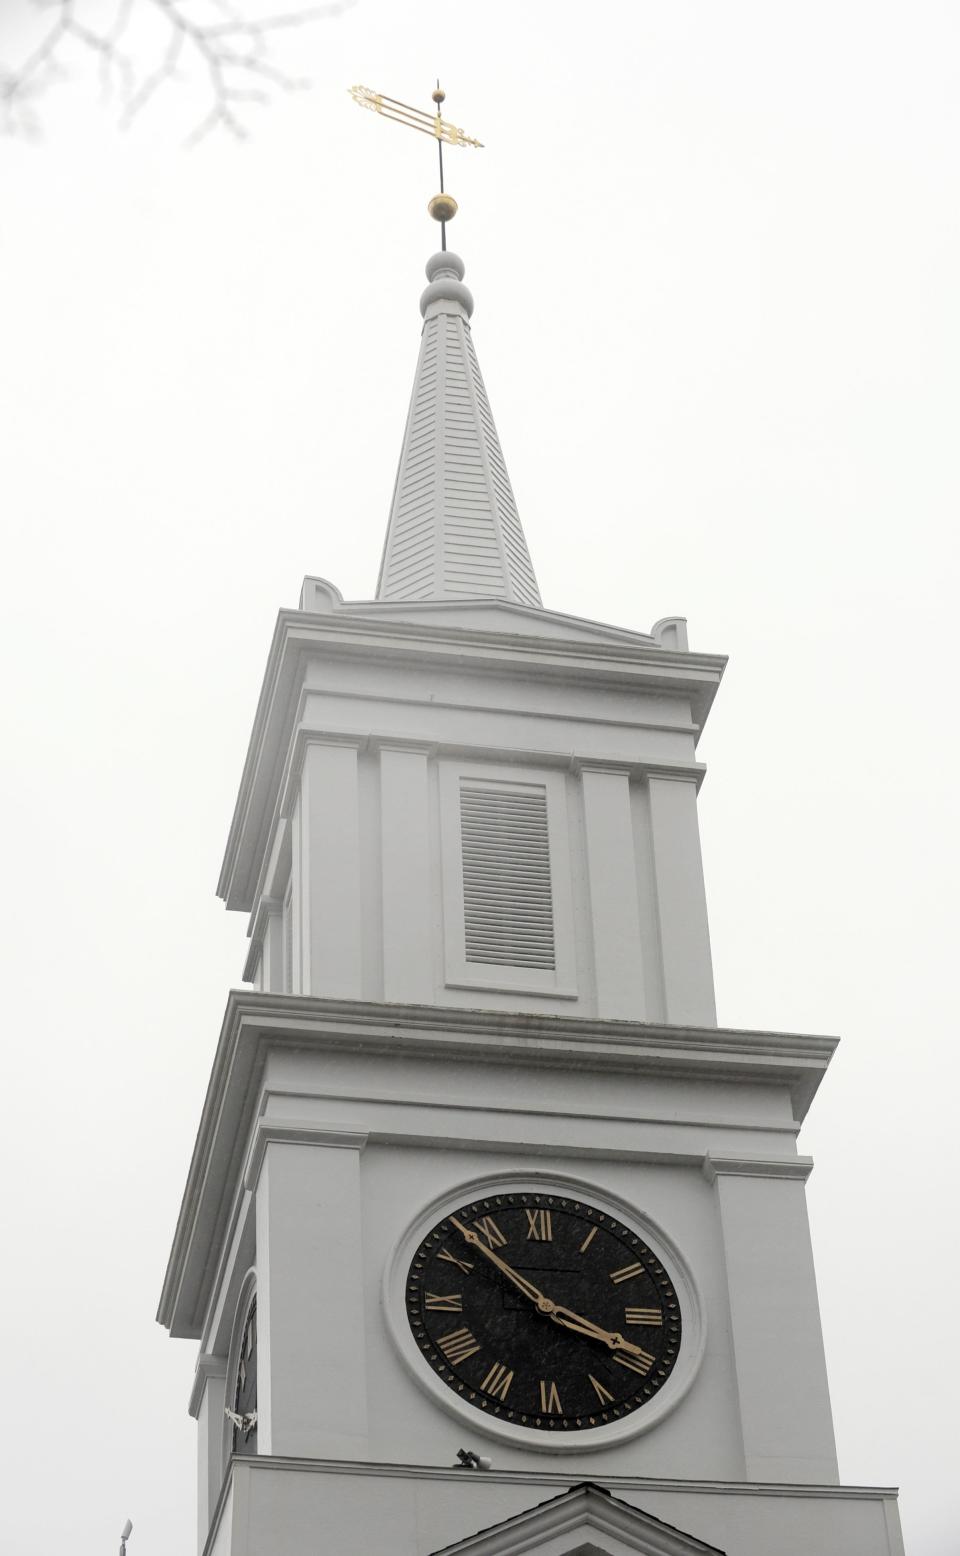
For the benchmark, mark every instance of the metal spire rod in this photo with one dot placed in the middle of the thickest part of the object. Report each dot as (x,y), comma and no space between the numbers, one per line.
(438,97)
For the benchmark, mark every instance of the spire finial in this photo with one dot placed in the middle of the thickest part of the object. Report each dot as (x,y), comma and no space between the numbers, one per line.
(443,207)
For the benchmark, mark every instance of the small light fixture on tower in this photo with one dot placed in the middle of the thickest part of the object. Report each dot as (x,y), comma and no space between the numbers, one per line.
(468,1460)
(125,1534)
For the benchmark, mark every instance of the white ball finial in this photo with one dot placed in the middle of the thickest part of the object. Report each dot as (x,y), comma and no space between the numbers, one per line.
(445,275)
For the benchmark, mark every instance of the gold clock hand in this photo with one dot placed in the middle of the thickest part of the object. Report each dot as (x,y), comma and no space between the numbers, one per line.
(581,1325)
(570,1320)
(527,1287)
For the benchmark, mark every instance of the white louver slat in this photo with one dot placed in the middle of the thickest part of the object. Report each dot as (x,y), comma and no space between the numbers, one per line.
(507,890)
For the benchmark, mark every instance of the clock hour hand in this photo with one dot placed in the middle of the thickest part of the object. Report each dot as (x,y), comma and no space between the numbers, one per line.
(585,1326)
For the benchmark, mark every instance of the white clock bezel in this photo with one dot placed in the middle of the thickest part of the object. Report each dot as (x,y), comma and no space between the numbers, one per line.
(563,1184)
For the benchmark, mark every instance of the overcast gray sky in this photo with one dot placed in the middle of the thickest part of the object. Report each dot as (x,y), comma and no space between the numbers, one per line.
(714,248)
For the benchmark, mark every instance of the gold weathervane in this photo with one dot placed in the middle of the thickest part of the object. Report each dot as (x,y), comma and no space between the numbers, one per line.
(443,207)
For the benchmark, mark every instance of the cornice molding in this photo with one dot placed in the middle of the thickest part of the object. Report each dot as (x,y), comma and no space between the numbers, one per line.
(396,1097)
(797,1167)
(296,1013)
(559,1480)
(607,720)
(295,1132)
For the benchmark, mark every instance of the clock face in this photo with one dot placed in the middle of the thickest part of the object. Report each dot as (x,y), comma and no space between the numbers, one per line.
(245,1393)
(544,1311)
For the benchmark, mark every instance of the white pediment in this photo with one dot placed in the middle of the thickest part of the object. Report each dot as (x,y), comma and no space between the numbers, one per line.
(490,615)
(585,1521)
(500,616)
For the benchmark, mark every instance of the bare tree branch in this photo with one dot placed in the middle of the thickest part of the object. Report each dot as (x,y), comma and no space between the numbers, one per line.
(229,43)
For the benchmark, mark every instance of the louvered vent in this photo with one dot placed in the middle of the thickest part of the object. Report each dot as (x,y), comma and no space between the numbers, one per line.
(507,896)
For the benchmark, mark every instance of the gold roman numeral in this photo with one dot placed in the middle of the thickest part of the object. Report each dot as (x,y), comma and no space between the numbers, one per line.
(641,1363)
(488,1228)
(539,1226)
(644,1315)
(588,1239)
(458,1345)
(440,1304)
(599,1390)
(550,1399)
(497,1381)
(629,1272)
(451,1258)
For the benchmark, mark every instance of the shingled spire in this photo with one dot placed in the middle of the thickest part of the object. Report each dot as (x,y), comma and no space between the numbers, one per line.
(454,531)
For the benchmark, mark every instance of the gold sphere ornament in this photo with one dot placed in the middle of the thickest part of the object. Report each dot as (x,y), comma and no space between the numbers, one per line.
(439,96)
(443,208)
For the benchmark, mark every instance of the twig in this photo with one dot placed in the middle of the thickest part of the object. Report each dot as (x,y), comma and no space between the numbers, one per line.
(231,52)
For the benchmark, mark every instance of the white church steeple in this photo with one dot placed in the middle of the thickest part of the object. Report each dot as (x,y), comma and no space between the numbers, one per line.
(454,530)
(480,1054)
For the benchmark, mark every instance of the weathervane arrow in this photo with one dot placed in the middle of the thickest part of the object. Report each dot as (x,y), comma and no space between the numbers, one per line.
(443,207)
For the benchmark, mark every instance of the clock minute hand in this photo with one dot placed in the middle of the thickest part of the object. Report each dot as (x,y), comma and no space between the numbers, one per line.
(527,1287)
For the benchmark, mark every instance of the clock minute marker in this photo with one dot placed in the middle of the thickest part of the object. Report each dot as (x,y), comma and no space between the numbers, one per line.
(438,1302)
(451,1258)
(497,1381)
(640,1361)
(629,1272)
(652,1317)
(539,1226)
(550,1399)
(603,1395)
(488,1228)
(458,1345)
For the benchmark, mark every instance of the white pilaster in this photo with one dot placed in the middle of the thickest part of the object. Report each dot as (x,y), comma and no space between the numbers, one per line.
(271,954)
(681,902)
(327,886)
(408,973)
(614,903)
(207,1405)
(311,1374)
(775,1320)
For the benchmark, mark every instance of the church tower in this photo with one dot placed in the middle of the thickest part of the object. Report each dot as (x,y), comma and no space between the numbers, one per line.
(492,1240)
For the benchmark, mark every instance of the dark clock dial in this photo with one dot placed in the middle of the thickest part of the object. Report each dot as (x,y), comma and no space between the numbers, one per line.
(542,1310)
(245,1392)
